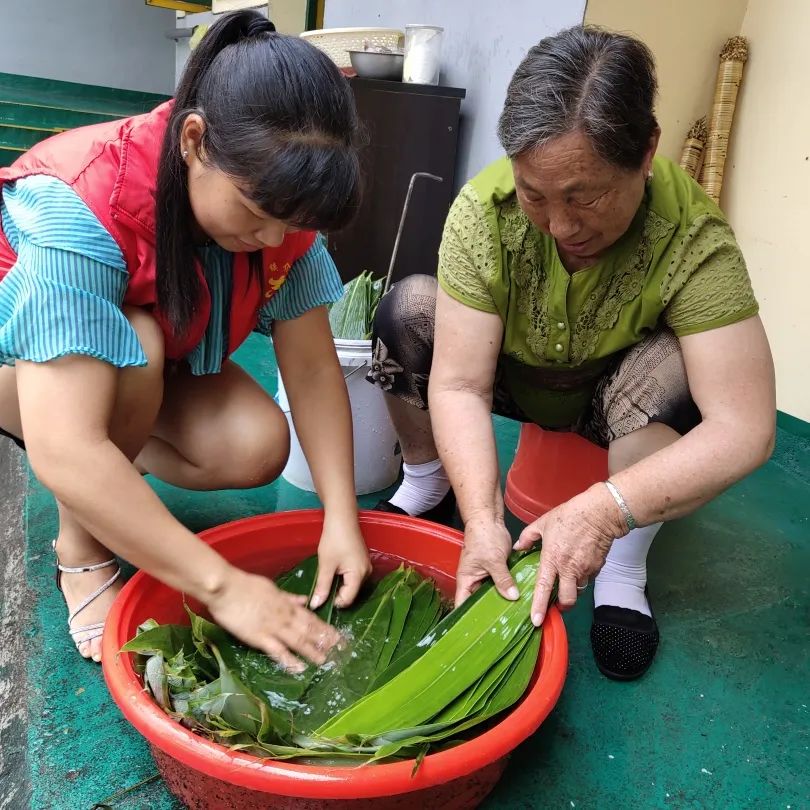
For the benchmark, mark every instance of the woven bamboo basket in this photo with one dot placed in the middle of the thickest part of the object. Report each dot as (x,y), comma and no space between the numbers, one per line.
(693,146)
(729,75)
(337,42)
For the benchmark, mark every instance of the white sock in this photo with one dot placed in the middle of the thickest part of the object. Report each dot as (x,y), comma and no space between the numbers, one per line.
(623,577)
(423,486)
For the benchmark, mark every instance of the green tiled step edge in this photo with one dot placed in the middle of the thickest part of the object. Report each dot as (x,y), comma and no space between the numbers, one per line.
(792,424)
(47,119)
(19,138)
(8,156)
(50,93)
(32,109)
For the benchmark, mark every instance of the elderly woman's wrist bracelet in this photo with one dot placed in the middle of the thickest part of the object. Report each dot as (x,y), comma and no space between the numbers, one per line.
(622,504)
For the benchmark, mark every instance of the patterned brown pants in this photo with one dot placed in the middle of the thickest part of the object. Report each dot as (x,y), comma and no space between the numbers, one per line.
(646,383)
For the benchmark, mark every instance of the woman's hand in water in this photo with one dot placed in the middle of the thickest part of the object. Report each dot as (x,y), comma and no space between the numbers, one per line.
(260,614)
(342,552)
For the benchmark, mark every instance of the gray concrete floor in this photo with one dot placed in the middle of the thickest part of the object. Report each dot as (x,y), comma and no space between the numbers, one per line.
(14,609)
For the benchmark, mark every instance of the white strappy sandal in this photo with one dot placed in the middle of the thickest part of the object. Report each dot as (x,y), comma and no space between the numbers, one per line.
(86,632)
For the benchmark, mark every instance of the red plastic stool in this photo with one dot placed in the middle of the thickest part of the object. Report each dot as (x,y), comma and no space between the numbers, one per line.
(549,468)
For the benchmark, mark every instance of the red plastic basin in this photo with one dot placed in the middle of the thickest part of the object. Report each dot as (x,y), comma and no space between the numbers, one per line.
(206,775)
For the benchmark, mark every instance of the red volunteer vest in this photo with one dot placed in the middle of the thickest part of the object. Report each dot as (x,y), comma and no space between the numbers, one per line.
(113,169)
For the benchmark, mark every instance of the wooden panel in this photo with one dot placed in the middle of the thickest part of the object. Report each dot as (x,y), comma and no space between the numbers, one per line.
(410,129)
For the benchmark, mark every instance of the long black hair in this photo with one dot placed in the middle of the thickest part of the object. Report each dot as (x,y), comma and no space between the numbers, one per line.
(279,119)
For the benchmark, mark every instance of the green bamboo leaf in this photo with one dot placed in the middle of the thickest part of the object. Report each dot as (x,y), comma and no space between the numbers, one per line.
(238,697)
(433,635)
(349,674)
(424,689)
(347,316)
(418,619)
(511,689)
(389,581)
(475,698)
(434,612)
(479,704)
(165,639)
(241,709)
(400,606)
(157,683)
(300,580)
(279,688)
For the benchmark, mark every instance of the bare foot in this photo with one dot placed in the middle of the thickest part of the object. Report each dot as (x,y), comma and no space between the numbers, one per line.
(77,587)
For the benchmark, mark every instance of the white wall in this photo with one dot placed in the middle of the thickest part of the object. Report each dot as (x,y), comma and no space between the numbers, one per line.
(483,44)
(766,189)
(686,53)
(113,43)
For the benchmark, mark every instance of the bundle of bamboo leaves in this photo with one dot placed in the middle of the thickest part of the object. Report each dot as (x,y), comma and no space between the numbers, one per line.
(352,316)
(693,147)
(729,76)
(408,680)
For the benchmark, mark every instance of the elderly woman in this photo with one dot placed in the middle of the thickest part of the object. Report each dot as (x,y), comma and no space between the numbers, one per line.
(585,285)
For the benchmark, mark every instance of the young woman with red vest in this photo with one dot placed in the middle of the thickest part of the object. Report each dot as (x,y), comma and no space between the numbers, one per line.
(135,257)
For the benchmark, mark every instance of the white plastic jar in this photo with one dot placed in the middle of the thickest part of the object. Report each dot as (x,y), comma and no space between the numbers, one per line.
(423,52)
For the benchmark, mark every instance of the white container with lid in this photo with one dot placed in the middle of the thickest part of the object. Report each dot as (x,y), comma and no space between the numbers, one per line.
(423,51)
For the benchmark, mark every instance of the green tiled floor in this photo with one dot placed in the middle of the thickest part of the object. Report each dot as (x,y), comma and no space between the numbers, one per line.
(720,721)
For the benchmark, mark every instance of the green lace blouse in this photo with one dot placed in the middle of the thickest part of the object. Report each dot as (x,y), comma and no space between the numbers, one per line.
(678,265)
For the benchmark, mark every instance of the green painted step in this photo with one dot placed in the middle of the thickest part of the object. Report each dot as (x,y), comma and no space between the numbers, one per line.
(8,156)
(51,93)
(32,109)
(18,138)
(48,119)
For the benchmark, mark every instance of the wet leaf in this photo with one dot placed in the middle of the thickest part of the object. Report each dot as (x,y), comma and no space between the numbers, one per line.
(423,689)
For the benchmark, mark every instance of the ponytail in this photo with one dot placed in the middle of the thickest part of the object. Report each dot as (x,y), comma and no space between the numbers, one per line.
(177,282)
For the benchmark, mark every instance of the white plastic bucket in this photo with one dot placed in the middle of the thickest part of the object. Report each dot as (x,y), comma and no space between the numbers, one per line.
(376,452)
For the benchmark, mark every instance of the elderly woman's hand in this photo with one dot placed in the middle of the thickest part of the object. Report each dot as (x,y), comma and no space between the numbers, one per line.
(486,548)
(576,538)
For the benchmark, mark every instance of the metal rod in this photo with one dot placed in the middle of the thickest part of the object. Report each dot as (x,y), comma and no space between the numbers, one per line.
(402,223)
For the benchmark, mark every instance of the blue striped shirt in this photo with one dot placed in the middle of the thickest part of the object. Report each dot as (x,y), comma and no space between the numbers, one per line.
(65,292)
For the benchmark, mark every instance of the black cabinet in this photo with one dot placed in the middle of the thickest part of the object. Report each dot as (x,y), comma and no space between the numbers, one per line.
(408,128)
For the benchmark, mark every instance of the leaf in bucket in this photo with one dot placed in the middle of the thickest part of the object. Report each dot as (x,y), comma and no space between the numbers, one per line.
(348,675)
(347,316)
(352,315)
(422,615)
(394,692)
(156,681)
(301,579)
(389,581)
(513,680)
(400,606)
(279,688)
(475,697)
(161,639)
(423,689)
(431,637)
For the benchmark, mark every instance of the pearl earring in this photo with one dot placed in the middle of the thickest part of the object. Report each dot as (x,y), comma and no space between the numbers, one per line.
(185,154)
(650,174)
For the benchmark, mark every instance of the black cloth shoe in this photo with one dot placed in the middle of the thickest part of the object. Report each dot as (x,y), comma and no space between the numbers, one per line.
(624,641)
(442,513)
